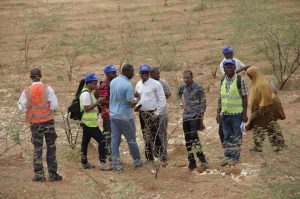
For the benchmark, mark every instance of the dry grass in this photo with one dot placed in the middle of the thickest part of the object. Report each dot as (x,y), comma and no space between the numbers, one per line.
(151,23)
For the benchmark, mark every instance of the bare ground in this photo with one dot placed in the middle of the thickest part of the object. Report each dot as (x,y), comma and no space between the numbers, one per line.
(266,175)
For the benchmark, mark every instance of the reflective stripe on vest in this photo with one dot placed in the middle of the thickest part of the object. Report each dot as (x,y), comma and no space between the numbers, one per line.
(231,101)
(90,118)
(37,106)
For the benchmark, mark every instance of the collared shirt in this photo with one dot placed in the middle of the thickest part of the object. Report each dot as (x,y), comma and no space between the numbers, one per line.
(194,100)
(51,98)
(152,96)
(121,93)
(165,86)
(238,64)
(228,81)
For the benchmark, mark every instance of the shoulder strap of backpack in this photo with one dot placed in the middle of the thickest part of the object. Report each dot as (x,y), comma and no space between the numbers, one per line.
(239,82)
(222,80)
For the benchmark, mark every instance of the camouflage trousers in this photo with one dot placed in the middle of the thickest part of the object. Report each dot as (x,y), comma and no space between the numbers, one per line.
(39,131)
(107,136)
(273,132)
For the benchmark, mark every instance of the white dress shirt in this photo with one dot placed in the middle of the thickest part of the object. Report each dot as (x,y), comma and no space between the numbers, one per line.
(152,96)
(51,98)
(238,64)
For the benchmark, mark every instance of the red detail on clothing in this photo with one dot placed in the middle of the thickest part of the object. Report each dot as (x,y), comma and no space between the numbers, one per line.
(104,92)
(37,106)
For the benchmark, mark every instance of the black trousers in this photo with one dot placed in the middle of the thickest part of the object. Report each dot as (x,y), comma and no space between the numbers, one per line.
(150,127)
(192,142)
(39,131)
(88,133)
(221,133)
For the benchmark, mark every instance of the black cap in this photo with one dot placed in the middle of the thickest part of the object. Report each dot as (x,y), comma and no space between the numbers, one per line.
(35,72)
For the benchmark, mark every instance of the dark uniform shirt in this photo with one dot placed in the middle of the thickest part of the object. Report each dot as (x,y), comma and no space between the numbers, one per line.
(194,100)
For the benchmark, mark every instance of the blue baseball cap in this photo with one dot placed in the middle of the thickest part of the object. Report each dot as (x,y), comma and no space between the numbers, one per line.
(91,77)
(227,49)
(109,68)
(145,68)
(228,62)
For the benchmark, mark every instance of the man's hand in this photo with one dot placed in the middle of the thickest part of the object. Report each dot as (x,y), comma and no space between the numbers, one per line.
(102,100)
(137,95)
(182,105)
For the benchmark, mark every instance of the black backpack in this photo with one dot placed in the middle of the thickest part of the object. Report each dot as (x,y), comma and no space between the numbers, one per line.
(74,109)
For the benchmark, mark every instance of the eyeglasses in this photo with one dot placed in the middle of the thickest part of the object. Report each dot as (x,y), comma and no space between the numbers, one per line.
(144,72)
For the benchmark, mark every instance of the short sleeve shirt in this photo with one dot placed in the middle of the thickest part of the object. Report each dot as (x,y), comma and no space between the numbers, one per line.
(86,99)
(194,100)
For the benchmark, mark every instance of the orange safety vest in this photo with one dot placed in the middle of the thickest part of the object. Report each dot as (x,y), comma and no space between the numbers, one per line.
(38,106)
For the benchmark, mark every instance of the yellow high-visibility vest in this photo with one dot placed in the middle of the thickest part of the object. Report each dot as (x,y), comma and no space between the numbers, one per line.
(231,101)
(90,119)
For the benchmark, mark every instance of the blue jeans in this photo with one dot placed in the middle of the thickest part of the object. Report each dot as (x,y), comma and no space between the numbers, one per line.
(124,127)
(232,135)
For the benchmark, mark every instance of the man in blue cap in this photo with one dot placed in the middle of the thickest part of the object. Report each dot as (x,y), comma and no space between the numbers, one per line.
(104,95)
(151,106)
(232,112)
(89,123)
(228,54)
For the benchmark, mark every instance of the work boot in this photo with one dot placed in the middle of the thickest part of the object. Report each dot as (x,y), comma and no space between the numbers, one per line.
(204,163)
(105,166)
(138,164)
(39,178)
(118,169)
(192,165)
(280,148)
(53,176)
(88,166)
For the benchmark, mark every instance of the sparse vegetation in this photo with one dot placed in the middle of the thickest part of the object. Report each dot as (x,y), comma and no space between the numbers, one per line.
(276,35)
(70,39)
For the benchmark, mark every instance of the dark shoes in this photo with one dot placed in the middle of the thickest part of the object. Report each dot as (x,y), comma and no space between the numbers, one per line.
(192,165)
(228,162)
(54,177)
(88,166)
(39,178)
(280,148)
(118,169)
(204,163)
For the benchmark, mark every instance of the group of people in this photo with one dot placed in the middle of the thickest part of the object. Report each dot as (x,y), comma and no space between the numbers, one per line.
(116,99)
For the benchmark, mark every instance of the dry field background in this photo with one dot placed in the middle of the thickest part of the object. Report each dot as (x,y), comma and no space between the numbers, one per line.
(86,35)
